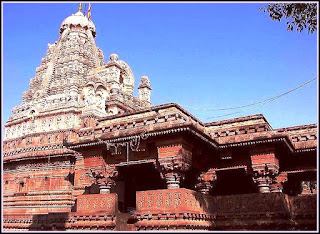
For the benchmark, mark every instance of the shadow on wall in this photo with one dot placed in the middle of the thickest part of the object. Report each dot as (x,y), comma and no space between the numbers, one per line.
(207,205)
(92,189)
(70,178)
(49,222)
(270,211)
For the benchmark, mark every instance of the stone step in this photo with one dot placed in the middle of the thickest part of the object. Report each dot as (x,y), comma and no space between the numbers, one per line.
(122,222)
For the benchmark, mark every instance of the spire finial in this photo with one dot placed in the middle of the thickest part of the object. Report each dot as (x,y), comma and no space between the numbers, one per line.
(80,7)
(84,9)
(89,11)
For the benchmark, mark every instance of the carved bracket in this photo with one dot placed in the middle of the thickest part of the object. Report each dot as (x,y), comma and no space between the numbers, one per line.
(105,179)
(206,181)
(265,168)
(173,161)
(264,177)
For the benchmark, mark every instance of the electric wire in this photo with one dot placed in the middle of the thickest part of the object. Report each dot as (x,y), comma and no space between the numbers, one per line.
(252,104)
(212,117)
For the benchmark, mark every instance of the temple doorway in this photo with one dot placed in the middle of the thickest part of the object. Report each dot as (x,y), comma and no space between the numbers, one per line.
(133,178)
(235,181)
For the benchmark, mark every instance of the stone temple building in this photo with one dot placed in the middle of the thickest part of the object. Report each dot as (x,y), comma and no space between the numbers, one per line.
(81,152)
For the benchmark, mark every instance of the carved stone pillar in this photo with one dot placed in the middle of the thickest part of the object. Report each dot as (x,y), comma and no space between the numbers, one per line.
(173,179)
(265,168)
(105,185)
(206,180)
(110,180)
(263,179)
(173,162)
(106,179)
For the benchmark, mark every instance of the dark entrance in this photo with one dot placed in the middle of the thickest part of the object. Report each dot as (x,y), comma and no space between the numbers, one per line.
(132,178)
(293,186)
(235,181)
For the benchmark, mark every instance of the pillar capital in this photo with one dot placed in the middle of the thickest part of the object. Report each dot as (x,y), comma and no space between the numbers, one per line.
(264,178)
(104,178)
(265,168)
(173,161)
(206,180)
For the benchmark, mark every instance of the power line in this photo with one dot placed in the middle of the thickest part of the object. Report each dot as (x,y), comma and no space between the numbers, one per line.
(252,104)
(212,117)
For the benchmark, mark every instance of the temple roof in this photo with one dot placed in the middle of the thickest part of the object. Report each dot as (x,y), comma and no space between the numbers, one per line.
(77,19)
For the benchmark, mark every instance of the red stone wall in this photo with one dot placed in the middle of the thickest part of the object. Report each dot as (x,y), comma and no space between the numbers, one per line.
(38,188)
(262,159)
(179,152)
(171,151)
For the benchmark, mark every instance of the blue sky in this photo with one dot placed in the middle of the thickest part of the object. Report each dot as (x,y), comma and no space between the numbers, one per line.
(204,55)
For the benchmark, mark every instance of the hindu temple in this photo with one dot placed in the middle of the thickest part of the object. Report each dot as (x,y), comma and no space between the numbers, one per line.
(81,152)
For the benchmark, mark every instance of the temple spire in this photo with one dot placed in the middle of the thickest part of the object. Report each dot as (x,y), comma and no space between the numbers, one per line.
(80,7)
(89,11)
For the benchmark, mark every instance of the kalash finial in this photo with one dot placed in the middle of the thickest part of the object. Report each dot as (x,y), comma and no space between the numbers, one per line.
(80,7)
(89,11)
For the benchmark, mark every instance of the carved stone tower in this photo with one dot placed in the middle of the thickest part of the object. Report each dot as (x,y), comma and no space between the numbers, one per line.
(74,81)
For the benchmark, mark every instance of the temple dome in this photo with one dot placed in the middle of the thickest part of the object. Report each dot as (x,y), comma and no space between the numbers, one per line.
(78,19)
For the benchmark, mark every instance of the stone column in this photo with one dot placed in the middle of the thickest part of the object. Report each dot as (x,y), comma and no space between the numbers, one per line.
(110,179)
(106,179)
(206,181)
(263,179)
(173,161)
(111,176)
(173,179)
(105,185)
(265,167)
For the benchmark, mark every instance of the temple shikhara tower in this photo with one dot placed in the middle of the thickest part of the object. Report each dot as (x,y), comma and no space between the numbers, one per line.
(81,152)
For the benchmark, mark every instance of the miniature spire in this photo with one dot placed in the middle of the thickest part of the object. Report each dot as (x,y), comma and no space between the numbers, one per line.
(89,11)
(145,91)
(80,7)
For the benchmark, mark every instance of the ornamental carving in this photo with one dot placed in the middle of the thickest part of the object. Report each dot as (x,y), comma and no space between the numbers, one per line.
(105,178)
(206,181)
(173,161)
